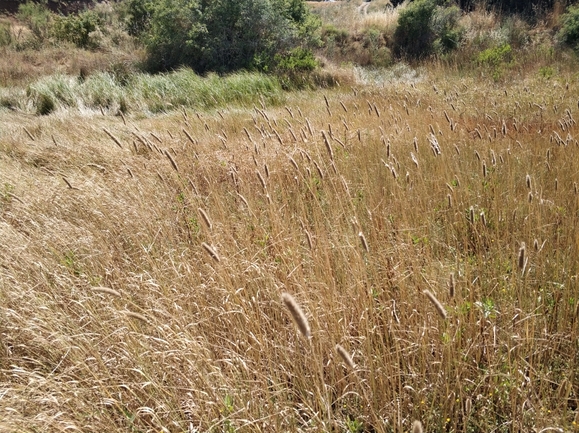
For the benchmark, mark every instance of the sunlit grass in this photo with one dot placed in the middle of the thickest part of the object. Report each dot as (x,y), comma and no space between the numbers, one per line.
(143,268)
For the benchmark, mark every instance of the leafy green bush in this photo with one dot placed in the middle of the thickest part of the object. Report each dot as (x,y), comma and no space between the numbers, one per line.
(221,35)
(299,59)
(427,26)
(37,17)
(331,33)
(136,15)
(569,32)
(445,26)
(495,56)
(414,34)
(294,68)
(77,29)
(496,59)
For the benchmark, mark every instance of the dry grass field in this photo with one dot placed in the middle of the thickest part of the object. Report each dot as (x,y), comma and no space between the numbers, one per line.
(427,230)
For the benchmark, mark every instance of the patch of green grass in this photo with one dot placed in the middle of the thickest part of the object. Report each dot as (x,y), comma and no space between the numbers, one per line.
(153,93)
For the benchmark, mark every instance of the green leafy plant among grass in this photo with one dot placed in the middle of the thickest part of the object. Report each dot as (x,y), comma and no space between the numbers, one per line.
(37,17)
(496,59)
(569,32)
(77,29)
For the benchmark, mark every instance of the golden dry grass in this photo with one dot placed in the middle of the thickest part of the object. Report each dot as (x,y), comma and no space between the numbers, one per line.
(141,284)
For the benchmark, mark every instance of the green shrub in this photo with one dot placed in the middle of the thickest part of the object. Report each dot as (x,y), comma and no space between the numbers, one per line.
(37,18)
(414,35)
(496,59)
(427,26)
(294,68)
(136,15)
(495,56)
(331,33)
(297,60)
(221,35)
(569,32)
(445,26)
(77,29)
(546,72)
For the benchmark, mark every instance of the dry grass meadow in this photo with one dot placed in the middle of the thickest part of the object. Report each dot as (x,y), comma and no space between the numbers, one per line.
(144,260)
(340,260)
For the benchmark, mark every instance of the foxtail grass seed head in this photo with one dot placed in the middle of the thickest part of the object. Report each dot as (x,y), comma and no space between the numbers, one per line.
(483,219)
(211,251)
(110,134)
(261,179)
(522,256)
(364,242)
(294,163)
(528,181)
(345,357)
(414,159)
(173,163)
(137,316)
(471,214)
(320,172)
(297,314)
(451,285)
(328,145)
(205,218)
(467,406)
(106,290)
(484,169)
(309,239)
(449,197)
(530,198)
(417,427)
(536,245)
(436,303)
